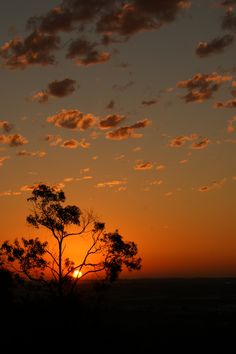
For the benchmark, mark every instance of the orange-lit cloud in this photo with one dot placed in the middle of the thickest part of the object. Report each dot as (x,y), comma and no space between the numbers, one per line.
(226,104)
(213,185)
(230,125)
(111,184)
(3,159)
(73,119)
(202,86)
(53,140)
(73,144)
(216,46)
(13,140)
(160,167)
(128,131)
(55,88)
(31,153)
(35,49)
(111,121)
(180,140)
(202,144)
(142,165)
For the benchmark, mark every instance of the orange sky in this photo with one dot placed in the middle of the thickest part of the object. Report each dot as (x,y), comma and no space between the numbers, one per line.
(133,118)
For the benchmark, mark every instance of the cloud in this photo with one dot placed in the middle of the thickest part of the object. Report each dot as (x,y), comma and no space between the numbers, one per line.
(202,86)
(73,144)
(13,140)
(55,88)
(128,131)
(6,126)
(160,167)
(53,140)
(111,120)
(73,119)
(3,159)
(70,144)
(149,102)
(213,185)
(179,141)
(35,49)
(110,105)
(183,161)
(124,87)
(142,166)
(230,125)
(229,21)
(216,46)
(85,53)
(202,144)
(31,153)
(138,16)
(156,182)
(226,104)
(111,184)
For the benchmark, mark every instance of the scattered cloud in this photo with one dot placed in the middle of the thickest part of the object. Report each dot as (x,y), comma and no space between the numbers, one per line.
(31,153)
(202,86)
(6,126)
(128,131)
(230,125)
(216,46)
(226,104)
(53,140)
(111,184)
(35,49)
(160,167)
(3,159)
(213,185)
(202,144)
(13,140)
(110,105)
(55,88)
(182,162)
(180,140)
(85,53)
(70,144)
(142,166)
(111,120)
(124,87)
(149,102)
(73,119)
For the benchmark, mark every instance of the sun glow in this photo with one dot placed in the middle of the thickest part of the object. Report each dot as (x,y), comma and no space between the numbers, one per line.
(77,274)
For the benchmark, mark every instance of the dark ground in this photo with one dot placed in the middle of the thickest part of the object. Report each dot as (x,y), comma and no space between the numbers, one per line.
(133,316)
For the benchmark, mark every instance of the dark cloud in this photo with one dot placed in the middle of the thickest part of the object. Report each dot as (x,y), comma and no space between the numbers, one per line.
(111,121)
(128,131)
(55,88)
(85,53)
(111,104)
(229,21)
(138,15)
(149,102)
(202,86)
(33,50)
(213,185)
(6,126)
(216,46)
(73,119)
(123,87)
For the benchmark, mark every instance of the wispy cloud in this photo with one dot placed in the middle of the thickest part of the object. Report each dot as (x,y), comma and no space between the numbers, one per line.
(128,131)
(213,185)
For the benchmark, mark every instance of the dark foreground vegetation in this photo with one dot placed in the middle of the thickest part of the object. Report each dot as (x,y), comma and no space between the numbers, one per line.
(131,316)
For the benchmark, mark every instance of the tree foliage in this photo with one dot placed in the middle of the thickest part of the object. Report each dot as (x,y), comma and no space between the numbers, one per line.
(108,254)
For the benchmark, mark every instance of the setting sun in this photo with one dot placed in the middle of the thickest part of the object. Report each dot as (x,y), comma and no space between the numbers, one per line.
(77,274)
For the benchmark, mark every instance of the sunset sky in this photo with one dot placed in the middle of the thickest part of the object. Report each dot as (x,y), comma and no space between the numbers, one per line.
(129,106)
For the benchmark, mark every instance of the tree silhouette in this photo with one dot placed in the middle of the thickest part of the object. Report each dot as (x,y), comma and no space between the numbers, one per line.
(107,253)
